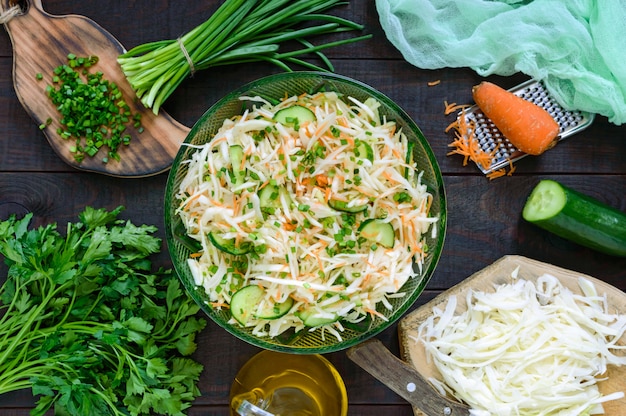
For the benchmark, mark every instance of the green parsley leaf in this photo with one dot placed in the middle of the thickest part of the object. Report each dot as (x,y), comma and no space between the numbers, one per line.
(88,324)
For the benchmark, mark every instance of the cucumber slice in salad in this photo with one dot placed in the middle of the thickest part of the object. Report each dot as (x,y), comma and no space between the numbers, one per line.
(270,197)
(312,320)
(294,115)
(378,231)
(230,246)
(364,150)
(345,207)
(244,305)
(408,158)
(235,153)
(577,217)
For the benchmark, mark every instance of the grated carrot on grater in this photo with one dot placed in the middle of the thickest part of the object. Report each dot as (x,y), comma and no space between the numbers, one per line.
(465,143)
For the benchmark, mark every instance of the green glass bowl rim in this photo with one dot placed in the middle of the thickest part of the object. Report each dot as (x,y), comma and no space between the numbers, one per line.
(437,187)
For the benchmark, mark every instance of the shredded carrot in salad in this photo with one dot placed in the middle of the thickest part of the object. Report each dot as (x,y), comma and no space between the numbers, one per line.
(301,248)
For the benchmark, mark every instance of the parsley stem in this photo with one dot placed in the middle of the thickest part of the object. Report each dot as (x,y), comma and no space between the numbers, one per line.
(77,315)
(26,329)
(18,378)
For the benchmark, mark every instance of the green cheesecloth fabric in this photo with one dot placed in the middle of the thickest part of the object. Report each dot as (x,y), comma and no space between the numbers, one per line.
(576,47)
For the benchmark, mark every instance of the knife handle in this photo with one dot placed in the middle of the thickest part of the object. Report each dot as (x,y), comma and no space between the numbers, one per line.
(403,379)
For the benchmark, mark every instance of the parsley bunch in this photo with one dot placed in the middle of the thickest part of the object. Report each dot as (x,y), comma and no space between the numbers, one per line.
(87,325)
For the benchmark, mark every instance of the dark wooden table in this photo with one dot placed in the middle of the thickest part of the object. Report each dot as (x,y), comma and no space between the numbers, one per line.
(484,221)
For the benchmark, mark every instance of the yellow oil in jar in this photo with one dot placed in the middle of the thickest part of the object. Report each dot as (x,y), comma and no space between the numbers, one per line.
(290,385)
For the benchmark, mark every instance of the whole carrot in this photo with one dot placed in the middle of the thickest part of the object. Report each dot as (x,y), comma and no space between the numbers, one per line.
(527,126)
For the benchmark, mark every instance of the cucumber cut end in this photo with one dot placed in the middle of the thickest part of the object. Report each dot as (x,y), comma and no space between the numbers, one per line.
(546,200)
(577,217)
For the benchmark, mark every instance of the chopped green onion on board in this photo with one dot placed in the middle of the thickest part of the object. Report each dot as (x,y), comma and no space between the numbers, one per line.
(92,110)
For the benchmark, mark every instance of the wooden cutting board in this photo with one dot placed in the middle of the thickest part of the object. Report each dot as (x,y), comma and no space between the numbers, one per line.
(41,42)
(500,273)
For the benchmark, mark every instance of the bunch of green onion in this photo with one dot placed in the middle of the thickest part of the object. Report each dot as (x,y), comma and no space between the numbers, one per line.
(239,31)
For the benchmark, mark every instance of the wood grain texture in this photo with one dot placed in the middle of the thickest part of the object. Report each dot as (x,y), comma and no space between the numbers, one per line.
(41,42)
(500,273)
(376,359)
(484,221)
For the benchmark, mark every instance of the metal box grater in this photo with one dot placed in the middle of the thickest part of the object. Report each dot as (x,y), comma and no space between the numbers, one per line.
(489,137)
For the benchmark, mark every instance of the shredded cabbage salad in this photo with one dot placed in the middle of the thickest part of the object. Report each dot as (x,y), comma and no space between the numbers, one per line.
(328,177)
(526,349)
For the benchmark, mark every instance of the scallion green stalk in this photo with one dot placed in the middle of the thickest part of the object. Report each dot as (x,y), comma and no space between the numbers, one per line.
(239,31)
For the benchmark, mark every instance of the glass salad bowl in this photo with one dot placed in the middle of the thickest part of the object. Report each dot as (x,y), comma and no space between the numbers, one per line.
(305,286)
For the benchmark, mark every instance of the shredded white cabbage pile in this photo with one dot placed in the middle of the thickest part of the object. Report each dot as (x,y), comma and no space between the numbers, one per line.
(526,349)
(305,250)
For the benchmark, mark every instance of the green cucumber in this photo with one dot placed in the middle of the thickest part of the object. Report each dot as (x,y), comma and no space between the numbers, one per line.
(229,245)
(275,310)
(408,158)
(294,115)
(309,319)
(363,150)
(269,196)
(344,207)
(244,305)
(378,231)
(235,153)
(577,217)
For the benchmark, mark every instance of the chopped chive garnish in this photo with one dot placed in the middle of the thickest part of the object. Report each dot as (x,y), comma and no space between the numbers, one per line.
(90,107)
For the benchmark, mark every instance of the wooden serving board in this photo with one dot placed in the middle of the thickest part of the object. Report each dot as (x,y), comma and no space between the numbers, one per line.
(41,42)
(500,273)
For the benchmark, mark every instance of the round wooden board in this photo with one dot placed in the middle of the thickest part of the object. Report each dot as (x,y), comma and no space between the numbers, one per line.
(500,273)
